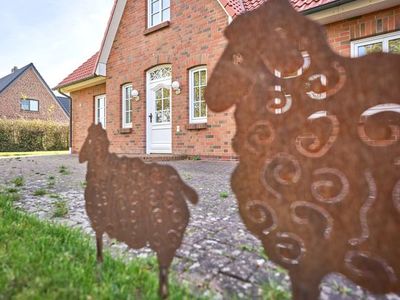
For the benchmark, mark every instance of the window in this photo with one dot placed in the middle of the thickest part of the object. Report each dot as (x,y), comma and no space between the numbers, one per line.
(100,110)
(197,86)
(127,106)
(389,43)
(159,11)
(29,105)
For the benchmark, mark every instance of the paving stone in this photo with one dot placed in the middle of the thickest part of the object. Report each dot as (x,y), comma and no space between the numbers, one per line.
(219,257)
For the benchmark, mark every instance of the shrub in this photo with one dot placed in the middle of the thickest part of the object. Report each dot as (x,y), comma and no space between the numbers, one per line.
(32,135)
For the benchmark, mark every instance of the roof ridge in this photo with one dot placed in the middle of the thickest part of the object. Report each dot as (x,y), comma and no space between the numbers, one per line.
(7,80)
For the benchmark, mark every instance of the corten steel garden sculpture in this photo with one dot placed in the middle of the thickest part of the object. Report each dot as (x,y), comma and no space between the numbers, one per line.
(134,202)
(321,193)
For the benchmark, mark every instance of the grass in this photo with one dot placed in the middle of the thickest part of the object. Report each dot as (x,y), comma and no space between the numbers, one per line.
(63,170)
(273,291)
(83,184)
(37,153)
(18,181)
(11,193)
(55,196)
(39,260)
(60,209)
(196,157)
(40,192)
(224,195)
(51,182)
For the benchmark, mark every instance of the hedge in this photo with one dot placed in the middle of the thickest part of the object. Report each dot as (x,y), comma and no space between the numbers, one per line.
(32,135)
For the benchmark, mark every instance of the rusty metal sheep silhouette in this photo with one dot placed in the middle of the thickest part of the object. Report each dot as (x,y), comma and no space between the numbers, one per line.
(134,202)
(318,182)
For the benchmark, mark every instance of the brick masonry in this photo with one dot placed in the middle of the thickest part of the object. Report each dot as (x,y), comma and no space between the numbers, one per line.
(194,37)
(341,34)
(29,85)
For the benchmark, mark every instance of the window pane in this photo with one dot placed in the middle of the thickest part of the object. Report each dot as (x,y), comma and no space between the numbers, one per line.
(25,104)
(204,77)
(167,116)
(196,94)
(166,93)
(371,48)
(159,105)
(394,46)
(203,109)
(155,7)
(165,4)
(159,117)
(166,104)
(34,105)
(128,105)
(202,92)
(128,117)
(196,79)
(159,94)
(156,19)
(196,110)
(165,15)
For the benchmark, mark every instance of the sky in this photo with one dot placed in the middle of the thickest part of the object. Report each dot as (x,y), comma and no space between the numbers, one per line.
(56,35)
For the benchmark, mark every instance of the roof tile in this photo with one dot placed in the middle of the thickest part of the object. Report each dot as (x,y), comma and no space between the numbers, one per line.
(85,71)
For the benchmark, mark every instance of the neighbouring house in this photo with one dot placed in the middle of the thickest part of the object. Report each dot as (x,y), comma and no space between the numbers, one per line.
(25,95)
(146,84)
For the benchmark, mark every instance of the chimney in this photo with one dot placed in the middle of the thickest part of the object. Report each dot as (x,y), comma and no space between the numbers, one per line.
(14,69)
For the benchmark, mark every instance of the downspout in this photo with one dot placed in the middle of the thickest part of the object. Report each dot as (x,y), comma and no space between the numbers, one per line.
(70,119)
(326,6)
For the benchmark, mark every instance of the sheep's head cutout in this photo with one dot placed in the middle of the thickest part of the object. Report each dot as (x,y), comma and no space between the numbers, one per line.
(318,181)
(136,203)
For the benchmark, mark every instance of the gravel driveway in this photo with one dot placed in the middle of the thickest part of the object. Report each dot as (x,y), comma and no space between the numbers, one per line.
(219,257)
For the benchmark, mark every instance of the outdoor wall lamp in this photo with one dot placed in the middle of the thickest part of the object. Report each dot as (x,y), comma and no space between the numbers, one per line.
(135,95)
(176,87)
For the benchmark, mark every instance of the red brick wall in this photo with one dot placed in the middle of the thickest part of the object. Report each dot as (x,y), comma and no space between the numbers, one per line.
(83,113)
(340,34)
(193,38)
(30,86)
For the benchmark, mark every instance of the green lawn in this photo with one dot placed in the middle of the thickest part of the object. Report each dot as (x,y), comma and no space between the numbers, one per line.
(39,260)
(37,153)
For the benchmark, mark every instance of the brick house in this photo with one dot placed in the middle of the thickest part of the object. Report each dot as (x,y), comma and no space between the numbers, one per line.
(25,95)
(146,83)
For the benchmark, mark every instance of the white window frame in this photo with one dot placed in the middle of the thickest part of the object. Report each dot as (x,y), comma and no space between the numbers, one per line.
(382,38)
(96,110)
(192,119)
(126,97)
(161,9)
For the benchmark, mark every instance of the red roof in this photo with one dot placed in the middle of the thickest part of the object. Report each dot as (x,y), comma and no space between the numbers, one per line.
(85,71)
(237,7)
(233,7)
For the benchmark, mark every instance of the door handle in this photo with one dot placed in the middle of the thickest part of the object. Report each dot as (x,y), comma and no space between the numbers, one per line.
(151,118)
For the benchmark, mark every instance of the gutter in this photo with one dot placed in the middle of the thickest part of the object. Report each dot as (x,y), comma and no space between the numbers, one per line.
(70,119)
(59,87)
(326,6)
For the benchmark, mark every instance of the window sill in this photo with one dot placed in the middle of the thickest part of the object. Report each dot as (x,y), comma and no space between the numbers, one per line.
(198,126)
(157,27)
(125,130)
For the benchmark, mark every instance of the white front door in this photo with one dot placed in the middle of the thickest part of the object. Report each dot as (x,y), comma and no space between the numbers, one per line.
(100,110)
(159,128)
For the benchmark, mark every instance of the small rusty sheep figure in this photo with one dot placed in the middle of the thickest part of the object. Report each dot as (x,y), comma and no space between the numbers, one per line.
(318,182)
(134,202)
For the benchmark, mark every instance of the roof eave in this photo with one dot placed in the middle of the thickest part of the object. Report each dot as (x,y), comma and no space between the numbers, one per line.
(81,84)
(346,9)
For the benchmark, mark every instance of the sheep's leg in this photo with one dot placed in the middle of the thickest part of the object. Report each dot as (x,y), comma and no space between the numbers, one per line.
(164,262)
(99,244)
(308,290)
(163,282)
